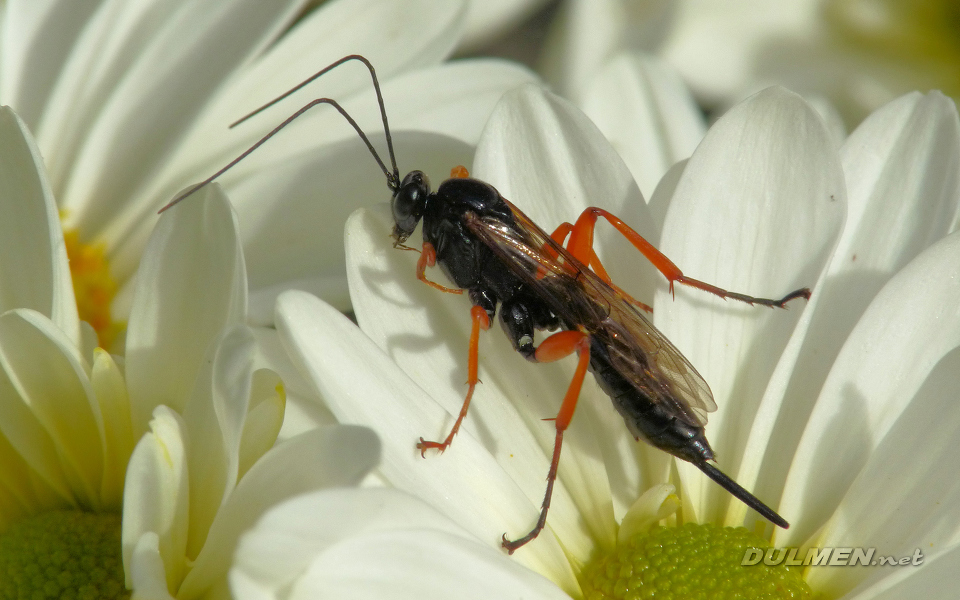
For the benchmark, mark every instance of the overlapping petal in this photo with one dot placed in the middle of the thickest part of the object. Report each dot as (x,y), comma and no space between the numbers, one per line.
(203,474)
(878,390)
(193,260)
(758,210)
(34,272)
(418,553)
(467,484)
(139,107)
(644,109)
(905,155)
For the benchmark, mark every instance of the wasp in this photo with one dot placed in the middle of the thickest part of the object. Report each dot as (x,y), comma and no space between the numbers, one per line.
(533,281)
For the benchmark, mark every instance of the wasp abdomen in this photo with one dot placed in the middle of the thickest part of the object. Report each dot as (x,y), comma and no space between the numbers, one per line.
(654,421)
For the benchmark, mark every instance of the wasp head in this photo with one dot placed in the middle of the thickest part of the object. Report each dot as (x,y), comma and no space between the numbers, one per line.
(408,204)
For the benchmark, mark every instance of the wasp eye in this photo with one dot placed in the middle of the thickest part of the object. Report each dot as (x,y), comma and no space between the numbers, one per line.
(408,204)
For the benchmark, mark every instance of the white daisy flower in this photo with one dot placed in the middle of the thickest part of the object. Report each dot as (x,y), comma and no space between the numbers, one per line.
(646,112)
(860,54)
(70,415)
(130,103)
(816,404)
(382,544)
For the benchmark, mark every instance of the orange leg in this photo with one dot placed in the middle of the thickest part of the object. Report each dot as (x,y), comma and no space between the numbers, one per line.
(560,235)
(581,245)
(555,347)
(480,321)
(428,258)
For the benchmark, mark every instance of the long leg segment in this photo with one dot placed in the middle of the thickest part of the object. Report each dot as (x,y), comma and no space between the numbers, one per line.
(480,321)
(581,245)
(555,347)
(593,261)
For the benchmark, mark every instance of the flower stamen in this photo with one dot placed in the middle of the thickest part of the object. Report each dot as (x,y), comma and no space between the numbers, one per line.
(93,286)
(691,562)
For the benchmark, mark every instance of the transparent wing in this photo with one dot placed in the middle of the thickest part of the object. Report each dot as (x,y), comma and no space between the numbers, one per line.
(639,352)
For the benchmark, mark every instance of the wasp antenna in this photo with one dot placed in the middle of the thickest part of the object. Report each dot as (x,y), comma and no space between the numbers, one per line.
(392,181)
(390,178)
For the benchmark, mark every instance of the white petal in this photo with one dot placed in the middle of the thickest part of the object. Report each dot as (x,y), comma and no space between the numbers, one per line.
(30,440)
(719,48)
(110,389)
(400,539)
(34,272)
(37,38)
(304,409)
(921,511)
(452,98)
(243,587)
(155,499)
(327,457)
(656,504)
(372,28)
(908,328)
(186,59)
(305,202)
(53,380)
(902,168)
(419,565)
(192,283)
(659,202)
(110,42)
(590,32)
(304,198)
(757,211)
(531,129)
(830,115)
(289,536)
(329,33)
(938,574)
(214,418)
(903,171)
(363,385)
(146,574)
(264,418)
(646,112)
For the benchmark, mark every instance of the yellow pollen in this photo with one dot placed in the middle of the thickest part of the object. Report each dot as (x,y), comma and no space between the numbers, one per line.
(690,562)
(93,286)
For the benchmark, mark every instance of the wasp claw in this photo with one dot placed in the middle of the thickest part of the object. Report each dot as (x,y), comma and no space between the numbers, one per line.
(506,544)
(424,445)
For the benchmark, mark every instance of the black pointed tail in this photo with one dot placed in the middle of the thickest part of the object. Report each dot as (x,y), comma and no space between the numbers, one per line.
(741,494)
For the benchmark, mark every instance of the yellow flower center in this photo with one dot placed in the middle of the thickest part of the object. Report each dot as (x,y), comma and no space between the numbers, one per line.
(93,286)
(690,562)
(62,554)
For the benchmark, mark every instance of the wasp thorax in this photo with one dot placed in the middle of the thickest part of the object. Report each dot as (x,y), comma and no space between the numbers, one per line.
(408,204)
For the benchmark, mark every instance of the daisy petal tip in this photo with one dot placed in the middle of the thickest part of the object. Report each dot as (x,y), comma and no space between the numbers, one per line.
(656,504)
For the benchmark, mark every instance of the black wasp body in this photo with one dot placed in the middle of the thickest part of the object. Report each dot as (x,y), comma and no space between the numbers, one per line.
(509,266)
(452,214)
(473,266)
(495,253)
